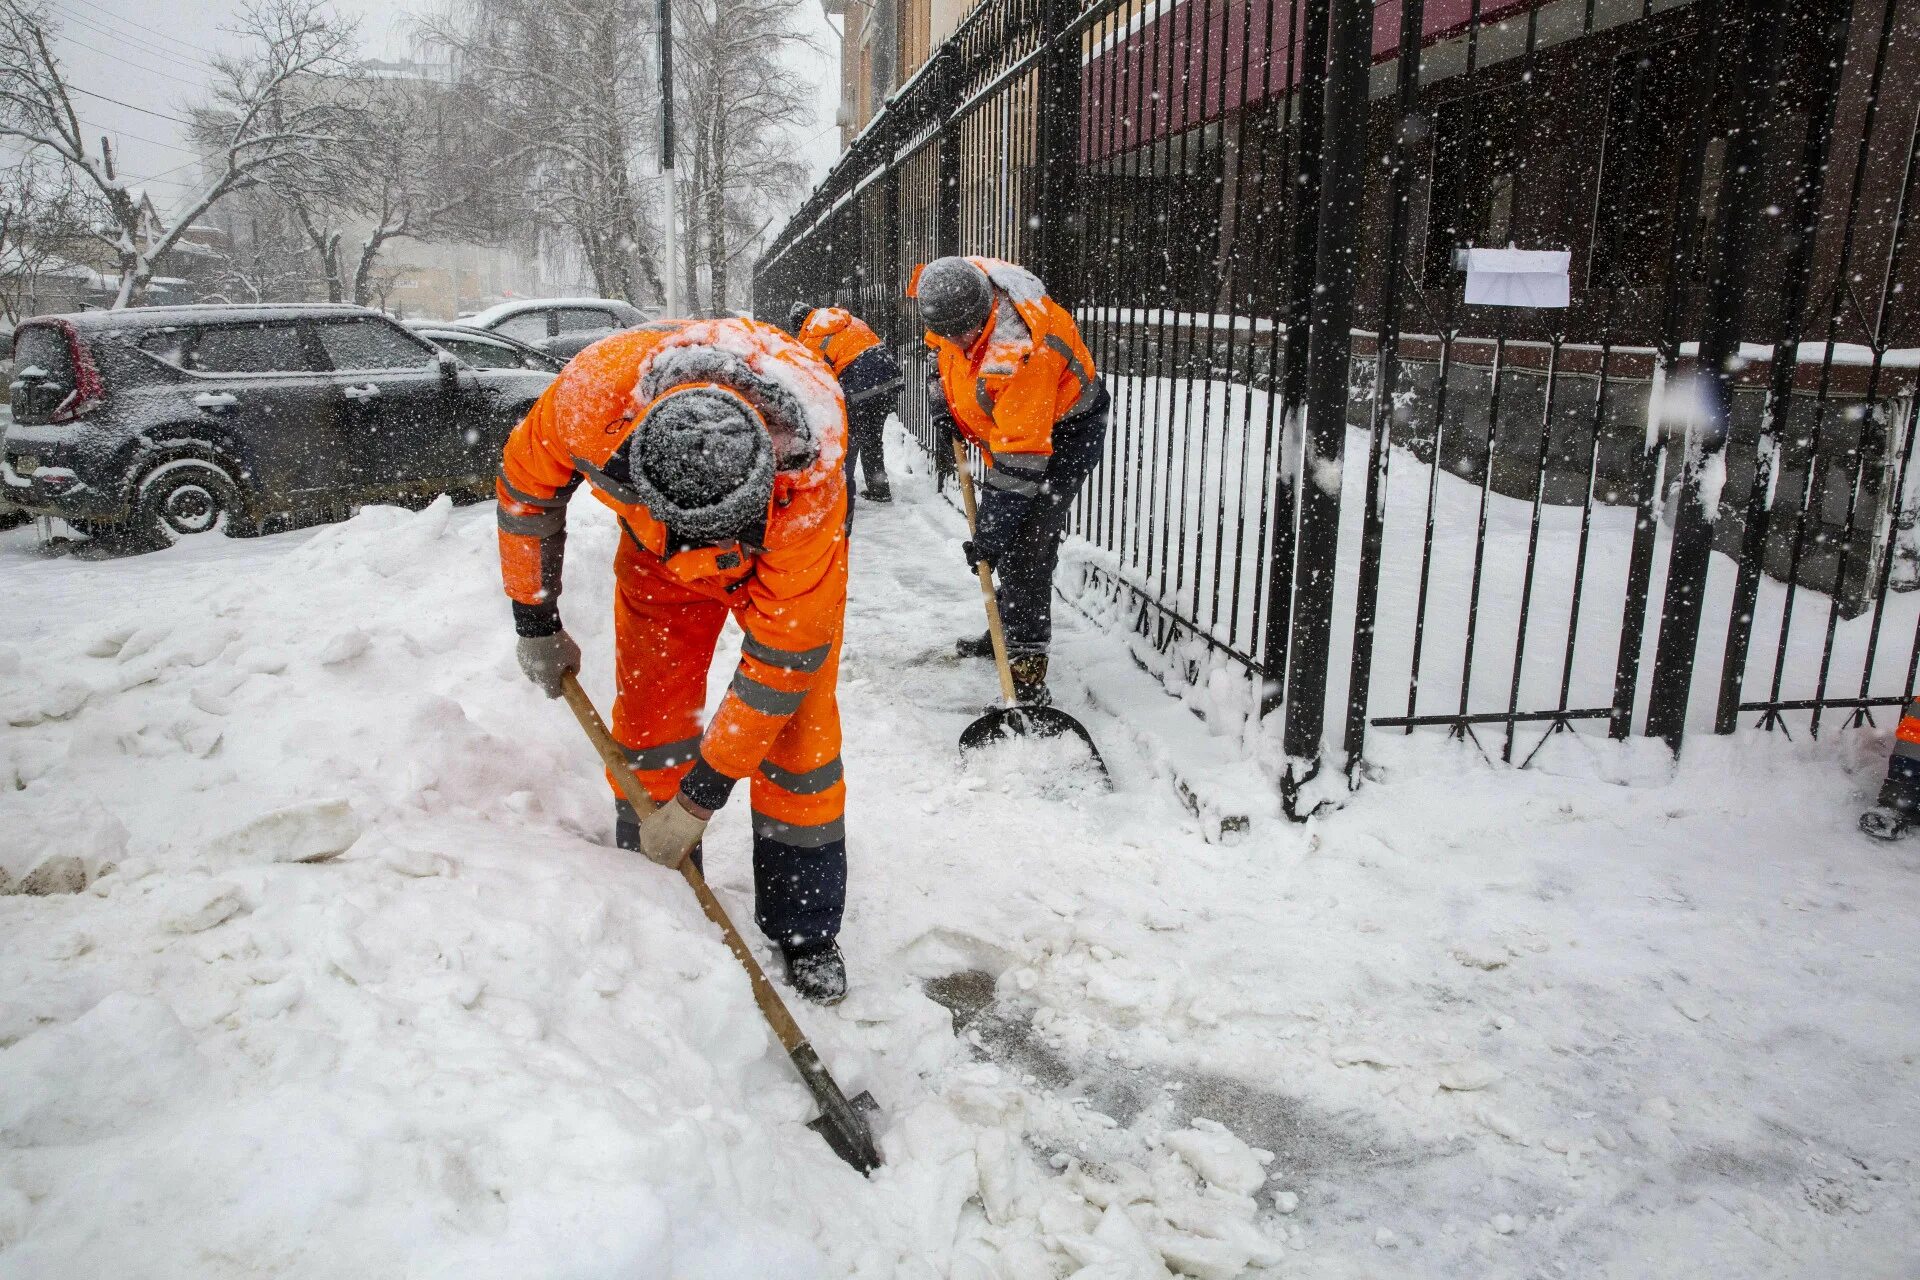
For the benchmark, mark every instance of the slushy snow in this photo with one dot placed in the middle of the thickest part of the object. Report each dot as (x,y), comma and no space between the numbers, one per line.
(355,984)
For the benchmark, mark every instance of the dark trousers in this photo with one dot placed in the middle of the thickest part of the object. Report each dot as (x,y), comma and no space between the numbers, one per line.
(1025,571)
(866,426)
(798,894)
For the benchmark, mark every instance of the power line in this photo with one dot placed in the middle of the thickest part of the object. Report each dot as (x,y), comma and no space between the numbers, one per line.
(191,84)
(74,88)
(152,142)
(111,16)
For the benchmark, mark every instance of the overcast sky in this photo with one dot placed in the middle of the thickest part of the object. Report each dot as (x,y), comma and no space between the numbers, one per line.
(135,64)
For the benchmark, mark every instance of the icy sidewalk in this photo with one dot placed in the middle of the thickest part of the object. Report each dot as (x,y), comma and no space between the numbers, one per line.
(365,994)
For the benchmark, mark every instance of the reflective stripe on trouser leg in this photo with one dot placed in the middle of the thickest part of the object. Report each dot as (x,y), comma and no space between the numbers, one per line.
(1901,790)
(664,637)
(1026,570)
(799,822)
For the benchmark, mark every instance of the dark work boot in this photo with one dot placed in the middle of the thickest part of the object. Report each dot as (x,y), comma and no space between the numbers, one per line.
(881,492)
(816,970)
(626,833)
(1030,680)
(1884,823)
(980,646)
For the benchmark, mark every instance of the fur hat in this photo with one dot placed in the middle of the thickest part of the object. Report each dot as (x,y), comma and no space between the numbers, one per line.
(955,297)
(702,461)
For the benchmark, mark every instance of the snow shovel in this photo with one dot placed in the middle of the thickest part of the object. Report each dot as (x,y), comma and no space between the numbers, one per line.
(1012,720)
(843,1121)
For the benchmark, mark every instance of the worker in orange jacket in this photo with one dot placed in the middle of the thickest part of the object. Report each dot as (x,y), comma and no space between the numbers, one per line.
(718,444)
(1899,802)
(1013,377)
(868,376)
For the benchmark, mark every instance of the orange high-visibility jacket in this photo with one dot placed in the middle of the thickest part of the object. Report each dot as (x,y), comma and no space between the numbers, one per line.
(1027,373)
(787,589)
(837,336)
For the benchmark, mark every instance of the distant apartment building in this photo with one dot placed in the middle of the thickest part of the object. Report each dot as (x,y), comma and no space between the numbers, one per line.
(883,43)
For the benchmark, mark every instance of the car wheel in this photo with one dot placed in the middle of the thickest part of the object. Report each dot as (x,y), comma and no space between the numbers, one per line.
(185,498)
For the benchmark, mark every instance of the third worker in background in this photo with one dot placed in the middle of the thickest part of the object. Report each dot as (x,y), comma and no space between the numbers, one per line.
(1014,378)
(869,378)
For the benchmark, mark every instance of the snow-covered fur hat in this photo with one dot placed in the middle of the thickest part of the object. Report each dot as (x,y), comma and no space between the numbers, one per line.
(781,412)
(702,460)
(954,296)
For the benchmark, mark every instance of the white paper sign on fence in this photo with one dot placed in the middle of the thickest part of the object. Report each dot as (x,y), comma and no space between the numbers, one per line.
(1518,277)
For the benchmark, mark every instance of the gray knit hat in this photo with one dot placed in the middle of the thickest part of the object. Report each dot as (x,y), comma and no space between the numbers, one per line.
(955,297)
(702,461)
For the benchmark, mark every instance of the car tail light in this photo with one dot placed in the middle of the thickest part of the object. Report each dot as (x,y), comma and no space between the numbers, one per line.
(88,387)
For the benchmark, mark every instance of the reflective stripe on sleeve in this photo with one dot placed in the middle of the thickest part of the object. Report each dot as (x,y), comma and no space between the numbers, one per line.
(981,398)
(544,525)
(799,837)
(765,698)
(1073,361)
(810,783)
(807,660)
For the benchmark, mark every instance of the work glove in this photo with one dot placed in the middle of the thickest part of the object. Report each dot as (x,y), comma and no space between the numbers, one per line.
(975,557)
(668,834)
(545,659)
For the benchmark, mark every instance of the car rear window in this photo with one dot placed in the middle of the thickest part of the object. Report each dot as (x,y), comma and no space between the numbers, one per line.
(371,344)
(528,326)
(581,320)
(482,354)
(268,347)
(39,346)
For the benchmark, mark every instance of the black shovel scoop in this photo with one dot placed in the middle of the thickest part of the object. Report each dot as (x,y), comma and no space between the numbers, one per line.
(1013,720)
(843,1121)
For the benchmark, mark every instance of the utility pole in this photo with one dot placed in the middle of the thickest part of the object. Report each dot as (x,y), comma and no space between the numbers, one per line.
(672,237)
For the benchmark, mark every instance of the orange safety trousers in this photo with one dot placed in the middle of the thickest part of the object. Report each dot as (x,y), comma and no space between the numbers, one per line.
(665,632)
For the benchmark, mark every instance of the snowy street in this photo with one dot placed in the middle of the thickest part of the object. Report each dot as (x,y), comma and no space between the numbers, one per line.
(357,985)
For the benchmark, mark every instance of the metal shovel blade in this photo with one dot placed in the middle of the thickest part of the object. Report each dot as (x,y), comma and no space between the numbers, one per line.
(1001,723)
(843,1121)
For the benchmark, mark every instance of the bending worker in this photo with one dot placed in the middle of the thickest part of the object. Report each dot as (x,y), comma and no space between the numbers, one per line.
(869,378)
(1015,378)
(718,444)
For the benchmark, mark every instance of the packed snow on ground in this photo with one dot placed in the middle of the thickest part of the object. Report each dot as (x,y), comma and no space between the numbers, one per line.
(354,983)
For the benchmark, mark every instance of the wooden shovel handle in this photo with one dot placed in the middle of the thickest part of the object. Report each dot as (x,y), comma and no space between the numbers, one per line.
(771,1006)
(995,631)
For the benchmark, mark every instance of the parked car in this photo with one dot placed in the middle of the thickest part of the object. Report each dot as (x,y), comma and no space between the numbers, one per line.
(478,349)
(559,326)
(150,424)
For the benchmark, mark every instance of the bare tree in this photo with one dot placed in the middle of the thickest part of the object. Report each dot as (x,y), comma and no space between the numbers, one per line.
(568,90)
(269,258)
(46,225)
(742,98)
(298,40)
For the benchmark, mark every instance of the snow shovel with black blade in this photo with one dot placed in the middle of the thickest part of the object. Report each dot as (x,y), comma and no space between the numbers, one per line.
(1013,720)
(843,1120)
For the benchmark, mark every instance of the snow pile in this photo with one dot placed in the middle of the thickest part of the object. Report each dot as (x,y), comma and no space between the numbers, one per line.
(355,984)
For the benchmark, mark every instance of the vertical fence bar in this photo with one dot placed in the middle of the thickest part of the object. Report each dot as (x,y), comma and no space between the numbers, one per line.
(1329,356)
(1409,131)
(1058,126)
(1804,229)
(1298,273)
(1757,72)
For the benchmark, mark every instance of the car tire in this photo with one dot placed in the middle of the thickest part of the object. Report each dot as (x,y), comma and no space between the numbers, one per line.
(184,498)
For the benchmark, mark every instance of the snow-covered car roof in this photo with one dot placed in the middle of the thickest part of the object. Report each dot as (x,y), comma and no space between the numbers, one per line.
(202,313)
(501,310)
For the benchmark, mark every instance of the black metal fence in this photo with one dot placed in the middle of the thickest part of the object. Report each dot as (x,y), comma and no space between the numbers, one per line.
(1330,474)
